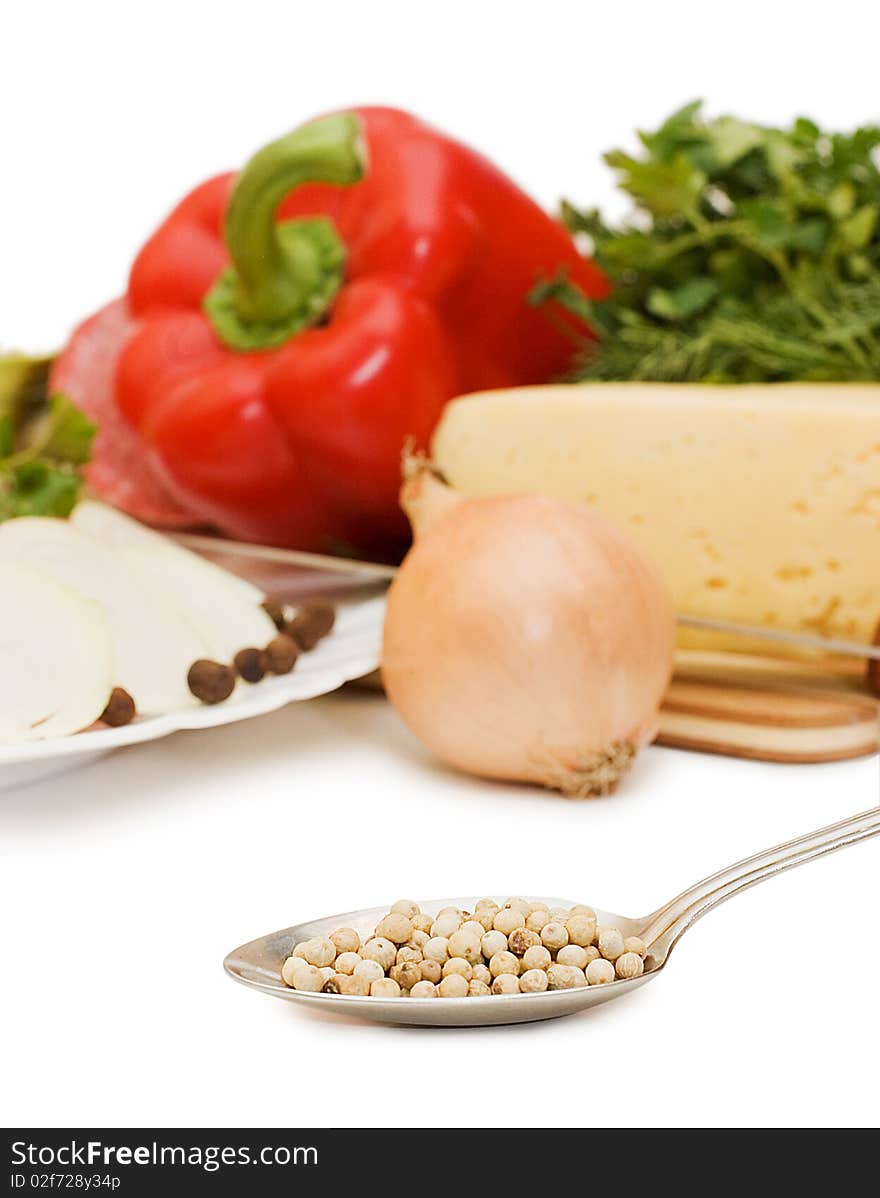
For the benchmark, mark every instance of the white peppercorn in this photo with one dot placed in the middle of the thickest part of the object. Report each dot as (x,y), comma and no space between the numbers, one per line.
(473,928)
(289,968)
(408,954)
(554,935)
(565,977)
(384,988)
(346,940)
(533,981)
(396,928)
(369,969)
(444,925)
(460,966)
(610,943)
(635,944)
(453,986)
(581,929)
(481,974)
(493,942)
(319,951)
(485,915)
(521,947)
(381,950)
(629,965)
(503,962)
(599,971)
(507,919)
(463,944)
(437,949)
(431,971)
(573,954)
(536,957)
(346,962)
(537,919)
(352,983)
(408,974)
(521,939)
(423,990)
(307,977)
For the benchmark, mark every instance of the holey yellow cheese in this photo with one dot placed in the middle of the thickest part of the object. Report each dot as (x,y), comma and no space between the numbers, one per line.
(759,503)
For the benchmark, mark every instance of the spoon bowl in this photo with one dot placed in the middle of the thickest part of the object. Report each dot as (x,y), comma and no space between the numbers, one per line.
(258,964)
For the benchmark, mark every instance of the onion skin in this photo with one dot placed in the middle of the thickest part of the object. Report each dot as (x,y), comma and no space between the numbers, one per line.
(526,639)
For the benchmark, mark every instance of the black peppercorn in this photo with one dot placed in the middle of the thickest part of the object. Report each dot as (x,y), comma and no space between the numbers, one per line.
(210,681)
(250,664)
(275,612)
(120,709)
(280,655)
(312,622)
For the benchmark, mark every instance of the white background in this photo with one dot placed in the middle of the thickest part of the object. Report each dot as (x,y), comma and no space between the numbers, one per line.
(123,885)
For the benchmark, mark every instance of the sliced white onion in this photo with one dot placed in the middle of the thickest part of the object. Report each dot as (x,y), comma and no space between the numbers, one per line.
(57,657)
(154,641)
(119,531)
(225,608)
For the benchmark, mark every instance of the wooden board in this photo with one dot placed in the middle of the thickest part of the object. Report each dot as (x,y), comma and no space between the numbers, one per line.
(770,709)
(765,708)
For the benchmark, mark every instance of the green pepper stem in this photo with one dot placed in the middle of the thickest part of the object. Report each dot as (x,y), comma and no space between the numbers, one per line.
(283,275)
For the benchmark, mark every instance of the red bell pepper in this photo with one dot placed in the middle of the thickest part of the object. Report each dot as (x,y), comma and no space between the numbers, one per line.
(288,331)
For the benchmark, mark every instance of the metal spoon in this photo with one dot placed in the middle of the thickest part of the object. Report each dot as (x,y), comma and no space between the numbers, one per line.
(258,964)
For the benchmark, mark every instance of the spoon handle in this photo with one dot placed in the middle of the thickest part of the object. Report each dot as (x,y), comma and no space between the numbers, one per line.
(668,924)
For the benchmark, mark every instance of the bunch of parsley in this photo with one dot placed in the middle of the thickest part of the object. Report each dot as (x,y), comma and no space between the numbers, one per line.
(753,254)
(44,440)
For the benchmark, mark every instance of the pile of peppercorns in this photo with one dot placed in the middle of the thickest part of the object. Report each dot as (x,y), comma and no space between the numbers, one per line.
(299,630)
(522,947)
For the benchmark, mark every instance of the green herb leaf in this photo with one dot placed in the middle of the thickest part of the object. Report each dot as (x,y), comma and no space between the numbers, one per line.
(754,254)
(43,442)
(665,188)
(38,489)
(731,139)
(70,432)
(687,300)
(857,230)
(22,384)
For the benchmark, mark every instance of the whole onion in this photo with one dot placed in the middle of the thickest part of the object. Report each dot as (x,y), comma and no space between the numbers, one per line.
(526,638)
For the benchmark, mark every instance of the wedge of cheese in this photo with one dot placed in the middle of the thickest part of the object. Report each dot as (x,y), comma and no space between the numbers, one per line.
(759,503)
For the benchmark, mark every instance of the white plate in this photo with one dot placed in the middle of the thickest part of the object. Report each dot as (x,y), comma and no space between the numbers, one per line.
(350,651)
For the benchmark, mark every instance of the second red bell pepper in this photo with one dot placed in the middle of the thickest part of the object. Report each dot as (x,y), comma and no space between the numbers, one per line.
(287,332)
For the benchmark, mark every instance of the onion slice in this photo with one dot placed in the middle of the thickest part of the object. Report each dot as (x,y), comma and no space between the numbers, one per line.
(154,642)
(225,608)
(57,657)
